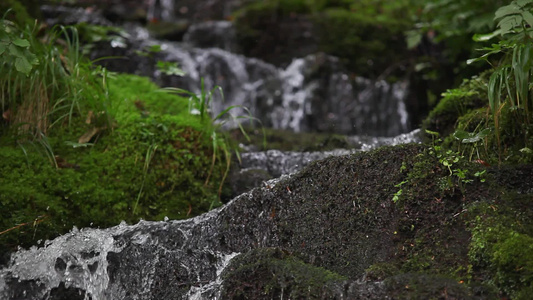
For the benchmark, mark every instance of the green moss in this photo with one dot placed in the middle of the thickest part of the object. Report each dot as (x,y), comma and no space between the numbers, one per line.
(380,271)
(272,273)
(457,102)
(367,35)
(155,162)
(364,39)
(430,286)
(501,247)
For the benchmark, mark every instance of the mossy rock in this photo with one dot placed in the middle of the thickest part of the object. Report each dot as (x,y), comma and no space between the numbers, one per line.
(156,162)
(367,37)
(503,136)
(271,273)
(502,233)
(455,103)
(273,32)
(431,286)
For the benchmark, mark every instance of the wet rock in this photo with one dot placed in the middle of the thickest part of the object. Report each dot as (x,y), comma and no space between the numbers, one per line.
(246,179)
(212,34)
(194,10)
(69,15)
(270,273)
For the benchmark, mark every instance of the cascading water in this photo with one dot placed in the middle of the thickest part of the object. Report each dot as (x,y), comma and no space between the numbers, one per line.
(312,94)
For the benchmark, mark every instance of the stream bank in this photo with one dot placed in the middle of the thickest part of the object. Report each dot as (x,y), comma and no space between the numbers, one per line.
(266,243)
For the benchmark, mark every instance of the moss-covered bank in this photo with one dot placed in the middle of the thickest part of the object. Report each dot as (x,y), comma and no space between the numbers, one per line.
(155,163)
(396,215)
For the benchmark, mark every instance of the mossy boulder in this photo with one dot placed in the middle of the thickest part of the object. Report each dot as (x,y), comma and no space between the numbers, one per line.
(360,229)
(367,37)
(156,162)
(455,103)
(269,273)
(466,123)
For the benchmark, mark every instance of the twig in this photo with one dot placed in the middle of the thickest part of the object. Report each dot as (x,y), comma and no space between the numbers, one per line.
(35,222)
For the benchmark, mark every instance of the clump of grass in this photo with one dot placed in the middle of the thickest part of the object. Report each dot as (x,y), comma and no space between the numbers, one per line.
(509,88)
(200,104)
(44,82)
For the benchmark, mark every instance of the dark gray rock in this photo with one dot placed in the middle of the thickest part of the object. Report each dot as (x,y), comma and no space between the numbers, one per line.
(212,34)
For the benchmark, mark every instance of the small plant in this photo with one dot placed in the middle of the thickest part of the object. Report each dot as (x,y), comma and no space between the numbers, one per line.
(398,194)
(14,48)
(509,85)
(199,104)
(473,139)
(44,82)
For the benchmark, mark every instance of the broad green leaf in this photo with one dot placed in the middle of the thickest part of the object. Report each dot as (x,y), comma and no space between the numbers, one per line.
(461,135)
(15,51)
(413,38)
(526,150)
(21,43)
(155,48)
(23,65)
(2,48)
(508,23)
(470,137)
(510,9)
(528,17)
(523,3)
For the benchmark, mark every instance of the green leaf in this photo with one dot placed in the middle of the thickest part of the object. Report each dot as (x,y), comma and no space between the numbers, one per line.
(23,65)
(21,43)
(494,90)
(170,68)
(526,150)
(433,133)
(2,48)
(528,17)
(15,51)
(413,38)
(510,9)
(470,137)
(523,3)
(155,48)
(508,23)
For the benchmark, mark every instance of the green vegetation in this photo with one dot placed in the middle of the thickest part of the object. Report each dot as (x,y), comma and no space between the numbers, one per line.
(80,146)
(366,35)
(492,112)
(84,147)
(487,120)
(501,246)
(275,273)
